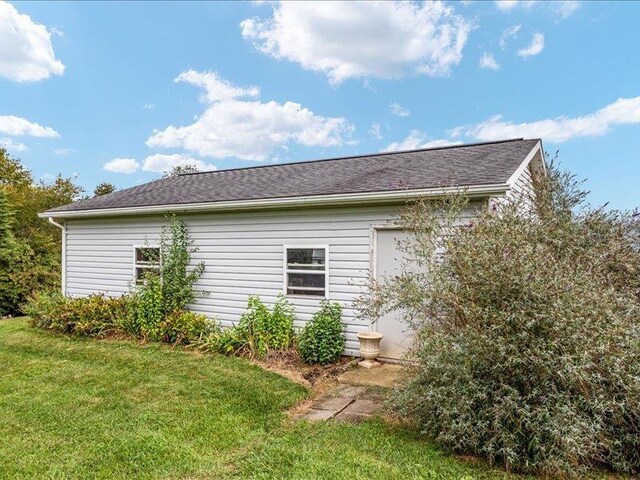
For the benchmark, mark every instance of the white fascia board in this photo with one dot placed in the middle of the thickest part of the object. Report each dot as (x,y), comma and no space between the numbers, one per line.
(525,163)
(288,202)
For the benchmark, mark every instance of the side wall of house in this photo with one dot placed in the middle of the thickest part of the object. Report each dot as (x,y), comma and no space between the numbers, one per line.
(243,255)
(524,183)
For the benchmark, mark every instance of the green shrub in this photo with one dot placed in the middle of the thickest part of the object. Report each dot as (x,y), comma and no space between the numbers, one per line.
(148,310)
(44,308)
(187,328)
(322,339)
(92,316)
(259,331)
(227,341)
(170,289)
(527,331)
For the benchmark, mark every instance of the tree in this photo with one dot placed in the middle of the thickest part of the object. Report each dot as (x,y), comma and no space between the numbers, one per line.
(180,170)
(104,188)
(6,218)
(527,342)
(34,262)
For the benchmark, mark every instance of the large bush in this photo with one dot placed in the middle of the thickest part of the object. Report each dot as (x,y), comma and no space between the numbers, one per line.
(527,330)
(322,339)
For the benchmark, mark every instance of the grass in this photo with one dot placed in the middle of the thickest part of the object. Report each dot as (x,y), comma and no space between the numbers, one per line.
(74,408)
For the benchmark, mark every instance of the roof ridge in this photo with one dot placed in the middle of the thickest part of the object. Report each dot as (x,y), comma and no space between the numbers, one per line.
(377,154)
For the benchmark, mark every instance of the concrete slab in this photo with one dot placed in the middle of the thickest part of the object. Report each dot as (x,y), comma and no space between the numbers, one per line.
(332,403)
(385,376)
(363,406)
(349,391)
(314,415)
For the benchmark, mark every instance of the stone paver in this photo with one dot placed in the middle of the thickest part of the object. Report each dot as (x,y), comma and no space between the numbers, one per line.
(344,390)
(333,403)
(363,406)
(351,401)
(319,415)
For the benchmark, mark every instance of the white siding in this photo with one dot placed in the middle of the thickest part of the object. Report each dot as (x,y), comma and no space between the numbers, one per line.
(243,255)
(523,186)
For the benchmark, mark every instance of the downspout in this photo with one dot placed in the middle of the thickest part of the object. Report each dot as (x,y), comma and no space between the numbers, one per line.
(63,231)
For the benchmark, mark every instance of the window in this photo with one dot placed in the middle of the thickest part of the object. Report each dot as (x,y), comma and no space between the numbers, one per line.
(306,271)
(146,259)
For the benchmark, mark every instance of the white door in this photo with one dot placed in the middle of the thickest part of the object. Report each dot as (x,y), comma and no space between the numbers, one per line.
(397,334)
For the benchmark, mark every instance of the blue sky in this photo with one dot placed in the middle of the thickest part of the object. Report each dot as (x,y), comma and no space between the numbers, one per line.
(120,91)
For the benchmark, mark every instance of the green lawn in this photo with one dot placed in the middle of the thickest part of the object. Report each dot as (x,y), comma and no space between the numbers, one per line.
(113,409)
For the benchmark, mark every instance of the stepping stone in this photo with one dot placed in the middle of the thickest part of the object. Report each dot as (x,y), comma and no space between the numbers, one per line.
(332,403)
(349,391)
(359,410)
(319,415)
(363,406)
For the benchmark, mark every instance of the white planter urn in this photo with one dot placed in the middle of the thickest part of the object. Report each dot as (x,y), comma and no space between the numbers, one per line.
(369,348)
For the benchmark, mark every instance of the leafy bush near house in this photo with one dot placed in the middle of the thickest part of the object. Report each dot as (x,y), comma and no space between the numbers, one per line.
(92,316)
(187,328)
(527,331)
(259,331)
(322,339)
(155,310)
(170,289)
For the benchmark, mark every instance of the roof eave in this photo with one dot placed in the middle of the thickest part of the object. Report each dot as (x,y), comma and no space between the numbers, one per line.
(393,196)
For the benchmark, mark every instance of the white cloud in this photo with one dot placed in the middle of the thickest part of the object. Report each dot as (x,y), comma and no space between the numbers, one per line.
(215,88)
(399,110)
(487,61)
(561,129)
(161,163)
(12,146)
(56,31)
(122,165)
(508,34)
(12,125)
(417,140)
(507,5)
(249,130)
(376,131)
(26,53)
(149,106)
(563,9)
(534,48)
(362,39)
(63,152)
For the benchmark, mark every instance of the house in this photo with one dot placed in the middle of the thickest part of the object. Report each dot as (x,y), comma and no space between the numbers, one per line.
(312,230)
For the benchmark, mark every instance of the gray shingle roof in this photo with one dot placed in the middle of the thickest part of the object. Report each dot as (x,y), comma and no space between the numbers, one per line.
(463,165)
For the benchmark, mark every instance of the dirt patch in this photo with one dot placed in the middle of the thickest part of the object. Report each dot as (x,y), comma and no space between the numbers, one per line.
(318,379)
(290,365)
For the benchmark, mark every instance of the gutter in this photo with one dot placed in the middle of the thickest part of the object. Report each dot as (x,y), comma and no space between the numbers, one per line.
(63,231)
(395,196)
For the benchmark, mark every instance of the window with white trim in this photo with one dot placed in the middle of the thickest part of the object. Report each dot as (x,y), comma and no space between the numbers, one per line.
(146,259)
(306,271)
